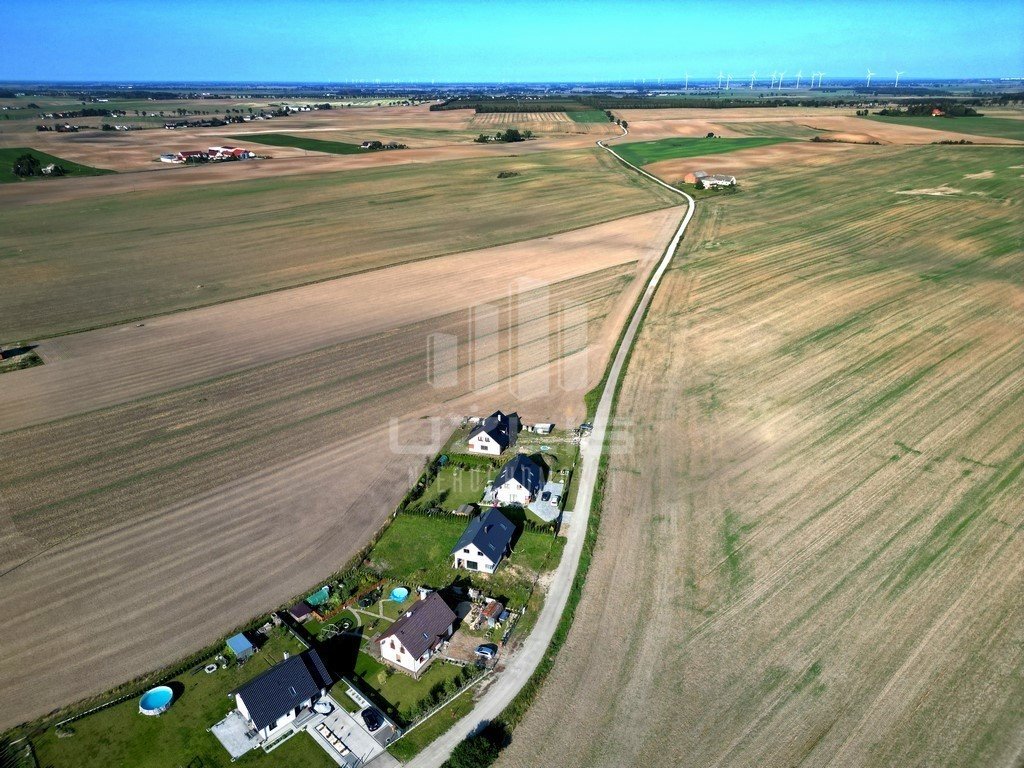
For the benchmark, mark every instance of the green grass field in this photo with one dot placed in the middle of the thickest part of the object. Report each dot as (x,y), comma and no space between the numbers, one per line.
(8,156)
(587,116)
(999,127)
(302,142)
(121,736)
(645,152)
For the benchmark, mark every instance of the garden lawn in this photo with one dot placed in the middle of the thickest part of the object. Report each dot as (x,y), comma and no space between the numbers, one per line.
(455,486)
(409,746)
(1000,127)
(301,142)
(119,735)
(646,152)
(8,156)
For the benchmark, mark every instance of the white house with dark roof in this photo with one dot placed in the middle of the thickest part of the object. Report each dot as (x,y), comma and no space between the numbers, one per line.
(486,540)
(411,642)
(271,701)
(494,434)
(519,482)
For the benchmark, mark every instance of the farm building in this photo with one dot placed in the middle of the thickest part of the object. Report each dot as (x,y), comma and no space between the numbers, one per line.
(694,176)
(486,540)
(494,434)
(270,702)
(229,153)
(519,481)
(718,180)
(493,613)
(410,643)
(241,646)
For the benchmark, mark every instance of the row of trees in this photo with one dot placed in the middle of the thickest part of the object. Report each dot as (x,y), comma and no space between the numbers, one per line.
(924,109)
(509,135)
(28,165)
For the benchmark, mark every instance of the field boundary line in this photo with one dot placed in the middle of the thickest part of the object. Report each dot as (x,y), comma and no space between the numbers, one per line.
(521,667)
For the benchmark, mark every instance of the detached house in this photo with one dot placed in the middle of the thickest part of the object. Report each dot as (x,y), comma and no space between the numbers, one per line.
(486,540)
(412,641)
(519,481)
(494,434)
(270,702)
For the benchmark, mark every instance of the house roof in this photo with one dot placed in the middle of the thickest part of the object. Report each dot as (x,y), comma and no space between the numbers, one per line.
(501,428)
(420,627)
(239,644)
(300,610)
(525,470)
(283,687)
(493,610)
(491,533)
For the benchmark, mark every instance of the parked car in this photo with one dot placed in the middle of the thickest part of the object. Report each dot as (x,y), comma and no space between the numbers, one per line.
(372,719)
(487,650)
(546,496)
(555,499)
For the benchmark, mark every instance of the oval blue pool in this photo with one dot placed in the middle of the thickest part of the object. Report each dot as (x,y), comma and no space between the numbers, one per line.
(398,594)
(155,701)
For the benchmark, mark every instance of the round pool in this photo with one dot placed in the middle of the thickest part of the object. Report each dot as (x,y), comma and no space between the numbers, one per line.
(398,594)
(155,701)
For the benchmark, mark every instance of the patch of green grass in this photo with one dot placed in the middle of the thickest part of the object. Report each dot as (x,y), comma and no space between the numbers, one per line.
(409,746)
(998,127)
(119,735)
(19,363)
(302,142)
(644,152)
(8,156)
(587,116)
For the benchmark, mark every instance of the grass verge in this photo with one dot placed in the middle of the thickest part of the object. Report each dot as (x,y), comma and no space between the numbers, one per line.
(8,156)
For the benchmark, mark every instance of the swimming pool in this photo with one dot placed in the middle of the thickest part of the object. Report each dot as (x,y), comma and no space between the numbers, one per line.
(156,701)
(398,594)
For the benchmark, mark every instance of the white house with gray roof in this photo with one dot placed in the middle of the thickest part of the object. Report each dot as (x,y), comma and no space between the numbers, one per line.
(494,434)
(486,540)
(519,482)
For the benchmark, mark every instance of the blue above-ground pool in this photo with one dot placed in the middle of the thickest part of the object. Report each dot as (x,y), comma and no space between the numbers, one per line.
(398,594)
(156,701)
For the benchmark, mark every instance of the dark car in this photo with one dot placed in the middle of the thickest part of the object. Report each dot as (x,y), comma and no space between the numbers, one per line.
(487,650)
(372,719)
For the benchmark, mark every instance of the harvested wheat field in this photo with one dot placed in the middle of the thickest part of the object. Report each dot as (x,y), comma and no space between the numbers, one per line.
(238,484)
(812,544)
(167,249)
(95,369)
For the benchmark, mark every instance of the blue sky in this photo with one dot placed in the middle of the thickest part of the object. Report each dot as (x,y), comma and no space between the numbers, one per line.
(331,40)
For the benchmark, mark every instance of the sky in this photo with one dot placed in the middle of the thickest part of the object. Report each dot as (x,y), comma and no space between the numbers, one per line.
(520,41)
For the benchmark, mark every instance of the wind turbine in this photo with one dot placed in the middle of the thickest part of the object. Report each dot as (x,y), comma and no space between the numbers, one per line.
(868,83)
(820,76)
(772,86)
(728,80)
(898,73)
(752,76)
(686,86)
(781,75)
(720,76)
(798,76)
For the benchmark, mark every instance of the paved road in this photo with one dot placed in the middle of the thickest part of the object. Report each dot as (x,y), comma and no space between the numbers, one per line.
(520,667)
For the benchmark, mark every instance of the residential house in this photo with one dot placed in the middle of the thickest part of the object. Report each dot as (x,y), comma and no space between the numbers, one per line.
(486,540)
(519,481)
(301,611)
(494,434)
(411,642)
(272,701)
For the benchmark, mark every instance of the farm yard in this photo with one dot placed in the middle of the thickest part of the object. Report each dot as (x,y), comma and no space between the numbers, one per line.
(822,555)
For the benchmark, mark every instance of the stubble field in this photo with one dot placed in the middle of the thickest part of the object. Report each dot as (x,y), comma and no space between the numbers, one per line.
(143,253)
(811,548)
